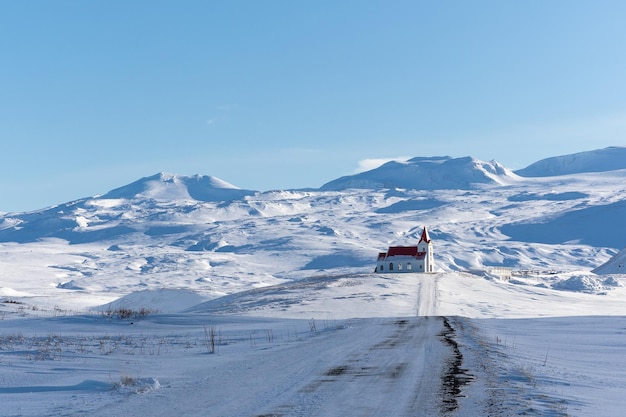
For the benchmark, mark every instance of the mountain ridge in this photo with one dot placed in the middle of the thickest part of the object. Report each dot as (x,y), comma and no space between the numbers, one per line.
(419,173)
(600,160)
(161,231)
(427,173)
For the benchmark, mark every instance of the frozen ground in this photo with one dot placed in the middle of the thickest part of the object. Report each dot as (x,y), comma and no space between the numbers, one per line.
(327,346)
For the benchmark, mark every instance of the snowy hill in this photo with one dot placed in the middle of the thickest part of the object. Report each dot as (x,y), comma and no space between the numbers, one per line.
(615,265)
(111,216)
(172,187)
(601,160)
(434,173)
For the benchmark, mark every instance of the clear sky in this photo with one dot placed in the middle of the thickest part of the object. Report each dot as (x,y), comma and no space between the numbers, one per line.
(292,94)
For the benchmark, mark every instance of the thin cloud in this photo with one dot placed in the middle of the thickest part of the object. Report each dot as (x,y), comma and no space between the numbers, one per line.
(373,163)
(221,115)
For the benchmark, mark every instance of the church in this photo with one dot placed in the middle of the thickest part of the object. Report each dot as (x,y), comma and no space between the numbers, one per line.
(402,259)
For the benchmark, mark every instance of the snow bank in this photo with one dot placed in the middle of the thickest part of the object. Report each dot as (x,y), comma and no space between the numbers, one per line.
(10,292)
(162,301)
(587,284)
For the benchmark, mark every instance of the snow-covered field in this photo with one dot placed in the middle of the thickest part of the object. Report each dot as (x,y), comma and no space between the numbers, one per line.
(187,296)
(329,345)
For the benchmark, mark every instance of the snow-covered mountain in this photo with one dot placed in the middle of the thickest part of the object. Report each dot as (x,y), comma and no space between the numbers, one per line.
(427,173)
(600,160)
(113,215)
(164,186)
(281,286)
(202,233)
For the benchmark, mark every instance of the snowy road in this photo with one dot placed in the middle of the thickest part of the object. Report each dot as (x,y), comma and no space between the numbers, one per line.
(427,295)
(377,367)
(368,367)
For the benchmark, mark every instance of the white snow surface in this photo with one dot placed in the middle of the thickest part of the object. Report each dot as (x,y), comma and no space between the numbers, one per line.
(164,299)
(601,160)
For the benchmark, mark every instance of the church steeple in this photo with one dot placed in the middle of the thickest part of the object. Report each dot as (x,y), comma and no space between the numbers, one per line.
(425,246)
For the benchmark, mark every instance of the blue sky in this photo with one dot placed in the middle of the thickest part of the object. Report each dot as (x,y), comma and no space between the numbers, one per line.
(293,94)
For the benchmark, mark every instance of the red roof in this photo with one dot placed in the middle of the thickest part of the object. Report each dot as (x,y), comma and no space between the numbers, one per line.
(406,250)
(401,251)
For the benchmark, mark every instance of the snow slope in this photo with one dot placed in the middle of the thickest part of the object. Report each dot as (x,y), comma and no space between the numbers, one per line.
(615,265)
(600,160)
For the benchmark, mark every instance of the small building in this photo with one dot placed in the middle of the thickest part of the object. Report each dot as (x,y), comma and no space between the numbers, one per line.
(403,259)
(501,272)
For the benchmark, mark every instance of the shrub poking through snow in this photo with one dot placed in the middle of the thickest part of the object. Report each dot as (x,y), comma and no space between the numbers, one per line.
(127,313)
(212,338)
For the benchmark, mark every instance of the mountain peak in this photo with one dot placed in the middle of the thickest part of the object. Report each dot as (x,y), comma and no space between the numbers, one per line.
(427,173)
(167,186)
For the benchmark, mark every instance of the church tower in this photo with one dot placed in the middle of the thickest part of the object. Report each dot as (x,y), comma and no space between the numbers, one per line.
(425,246)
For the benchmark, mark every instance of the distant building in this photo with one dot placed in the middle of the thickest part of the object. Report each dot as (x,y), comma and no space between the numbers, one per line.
(501,272)
(403,259)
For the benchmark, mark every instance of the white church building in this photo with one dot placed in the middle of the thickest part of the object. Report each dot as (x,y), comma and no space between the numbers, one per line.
(402,259)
